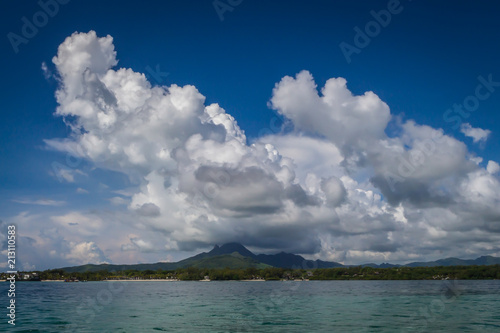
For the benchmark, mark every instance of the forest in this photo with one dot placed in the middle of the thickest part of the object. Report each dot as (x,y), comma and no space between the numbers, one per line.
(272,273)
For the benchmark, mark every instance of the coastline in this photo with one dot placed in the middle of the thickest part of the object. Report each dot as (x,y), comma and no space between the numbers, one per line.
(52,281)
(142,280)
(255,280)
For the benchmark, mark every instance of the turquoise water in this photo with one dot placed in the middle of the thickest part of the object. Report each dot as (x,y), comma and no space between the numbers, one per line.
(314,306)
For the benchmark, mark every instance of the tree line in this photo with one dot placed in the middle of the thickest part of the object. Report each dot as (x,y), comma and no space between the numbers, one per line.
(272,273)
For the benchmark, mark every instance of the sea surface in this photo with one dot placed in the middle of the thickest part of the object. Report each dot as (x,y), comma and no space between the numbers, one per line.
(235,306)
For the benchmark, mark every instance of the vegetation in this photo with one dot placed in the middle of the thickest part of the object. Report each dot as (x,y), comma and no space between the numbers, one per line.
(274,273)
(410,273)
(204,260)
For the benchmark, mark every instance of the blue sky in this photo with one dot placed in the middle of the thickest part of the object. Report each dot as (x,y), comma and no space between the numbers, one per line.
(427,58)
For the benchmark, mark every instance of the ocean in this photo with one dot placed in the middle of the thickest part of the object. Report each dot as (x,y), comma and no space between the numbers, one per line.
(236,306)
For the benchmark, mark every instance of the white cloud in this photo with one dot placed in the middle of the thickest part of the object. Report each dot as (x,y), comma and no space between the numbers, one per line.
(49,241)
(63,173)
(79,223)
(67,175)
(309,155)
(86,253)
(493,167)
(137,244)
(334,191)
(46,72)
(336,187)
(336,114)
(477,134)
(126,192)
(118,201)
(41,202)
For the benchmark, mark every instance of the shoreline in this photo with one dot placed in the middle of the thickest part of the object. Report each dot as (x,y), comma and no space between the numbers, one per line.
(272,280)
(142,280)
(52,281)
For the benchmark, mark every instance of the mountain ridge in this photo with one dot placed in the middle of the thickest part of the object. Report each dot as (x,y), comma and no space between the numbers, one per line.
(236,256)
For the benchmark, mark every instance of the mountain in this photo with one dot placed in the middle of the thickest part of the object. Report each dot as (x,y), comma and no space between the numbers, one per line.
(111,268)
(481,261)
(484,260)
(382,265)
(236,256)
(289,260)
(233,261)
(282,259)
(229,248)
(230,255)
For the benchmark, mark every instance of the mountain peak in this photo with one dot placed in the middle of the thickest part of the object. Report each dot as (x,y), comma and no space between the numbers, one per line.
(229,248)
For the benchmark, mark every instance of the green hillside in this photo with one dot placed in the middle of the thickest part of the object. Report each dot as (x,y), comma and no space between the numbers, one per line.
(232,261)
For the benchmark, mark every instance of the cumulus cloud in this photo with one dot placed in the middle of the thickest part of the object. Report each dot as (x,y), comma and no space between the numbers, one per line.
(477,134)
(334,190)
(46,247)
(336,186)
(336,114)
(417,166)
(148,209)
(86,252)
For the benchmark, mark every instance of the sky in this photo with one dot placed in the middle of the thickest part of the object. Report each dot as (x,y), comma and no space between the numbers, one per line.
(349,131)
